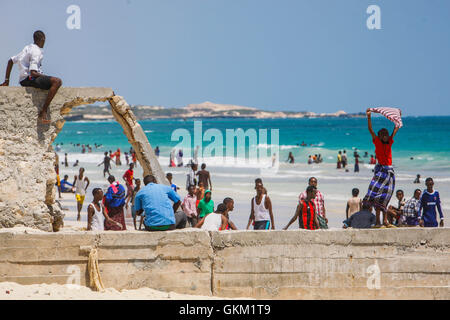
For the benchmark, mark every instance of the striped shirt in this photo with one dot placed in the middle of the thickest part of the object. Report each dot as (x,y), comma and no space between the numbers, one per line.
(306,217)
(393,114)
(319,202)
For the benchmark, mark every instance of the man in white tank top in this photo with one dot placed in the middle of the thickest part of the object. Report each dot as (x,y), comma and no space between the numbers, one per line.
(81,183)
(261,212)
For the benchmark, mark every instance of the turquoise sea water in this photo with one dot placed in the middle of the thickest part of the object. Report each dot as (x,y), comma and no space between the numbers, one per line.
(426,139)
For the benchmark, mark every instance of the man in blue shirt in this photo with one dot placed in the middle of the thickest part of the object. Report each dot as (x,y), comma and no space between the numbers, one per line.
(155,200)
(428,203)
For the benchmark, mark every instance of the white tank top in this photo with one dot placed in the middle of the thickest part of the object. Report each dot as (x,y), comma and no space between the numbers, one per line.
(98,219)
(213,222)
(261,213)
(79,186)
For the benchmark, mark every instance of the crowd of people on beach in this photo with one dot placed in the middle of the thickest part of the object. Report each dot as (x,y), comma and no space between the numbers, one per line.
(160,206)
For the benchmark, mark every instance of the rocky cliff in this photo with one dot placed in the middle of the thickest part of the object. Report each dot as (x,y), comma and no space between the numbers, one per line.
(27,175)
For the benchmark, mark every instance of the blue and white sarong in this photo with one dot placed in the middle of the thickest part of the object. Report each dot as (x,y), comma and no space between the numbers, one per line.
(381,187)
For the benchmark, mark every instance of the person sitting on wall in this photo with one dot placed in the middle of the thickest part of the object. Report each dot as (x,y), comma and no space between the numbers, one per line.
(30,72)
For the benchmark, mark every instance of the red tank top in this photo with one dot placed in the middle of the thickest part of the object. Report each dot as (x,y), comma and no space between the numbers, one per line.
(306,218)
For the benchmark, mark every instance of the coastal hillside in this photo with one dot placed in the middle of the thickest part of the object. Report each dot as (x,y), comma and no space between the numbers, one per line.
(206,109)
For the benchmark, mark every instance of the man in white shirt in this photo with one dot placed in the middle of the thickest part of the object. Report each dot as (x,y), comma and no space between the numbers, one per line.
(30,72)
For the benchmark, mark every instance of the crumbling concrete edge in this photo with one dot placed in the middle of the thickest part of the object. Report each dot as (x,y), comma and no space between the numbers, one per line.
(136,137)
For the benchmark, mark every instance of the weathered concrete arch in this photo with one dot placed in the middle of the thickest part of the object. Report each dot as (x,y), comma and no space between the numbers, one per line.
(27,177)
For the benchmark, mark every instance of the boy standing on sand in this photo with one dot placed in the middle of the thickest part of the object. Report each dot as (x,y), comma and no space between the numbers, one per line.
(96,212)
(319,203)
(383,182)
(189,206)
(261,213)
(206,205)
(204,176)
(429,201)
(80,190)
(30,63)
(306,212)
(106,163)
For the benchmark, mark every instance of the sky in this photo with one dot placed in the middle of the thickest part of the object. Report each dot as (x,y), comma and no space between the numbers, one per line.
(296,55)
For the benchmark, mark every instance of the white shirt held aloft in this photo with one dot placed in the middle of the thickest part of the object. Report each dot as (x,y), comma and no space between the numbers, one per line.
(30,58)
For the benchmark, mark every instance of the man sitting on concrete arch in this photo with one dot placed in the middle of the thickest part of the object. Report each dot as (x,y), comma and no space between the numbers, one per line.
(30,72)
(156,201)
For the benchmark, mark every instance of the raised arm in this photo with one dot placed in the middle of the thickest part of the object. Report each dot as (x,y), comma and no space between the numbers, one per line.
(394,132)
(8,73)
(369,123)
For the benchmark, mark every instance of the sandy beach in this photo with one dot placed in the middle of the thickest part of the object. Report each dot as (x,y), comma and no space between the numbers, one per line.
(14,291)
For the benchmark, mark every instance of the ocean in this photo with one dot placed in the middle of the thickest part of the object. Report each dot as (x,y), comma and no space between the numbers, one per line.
(420,147)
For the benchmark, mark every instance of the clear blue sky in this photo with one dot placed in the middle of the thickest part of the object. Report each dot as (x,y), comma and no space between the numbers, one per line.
(276,55)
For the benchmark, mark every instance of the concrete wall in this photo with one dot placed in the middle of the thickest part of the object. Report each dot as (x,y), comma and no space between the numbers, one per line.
(297,264)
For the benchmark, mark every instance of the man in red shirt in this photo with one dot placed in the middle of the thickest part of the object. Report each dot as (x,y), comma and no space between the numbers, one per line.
(382,185)
(128,177)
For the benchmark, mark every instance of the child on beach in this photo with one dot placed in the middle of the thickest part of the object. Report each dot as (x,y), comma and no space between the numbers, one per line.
(383,182)
(411,210)
(172,185)
(354,204)
(339,160)
(215,221)
(81,183)
(429,201)
(206,205)
(189,206)
(395,213)
(96,212)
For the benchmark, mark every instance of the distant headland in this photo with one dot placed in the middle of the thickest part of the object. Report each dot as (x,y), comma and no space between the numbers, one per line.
(203,110)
